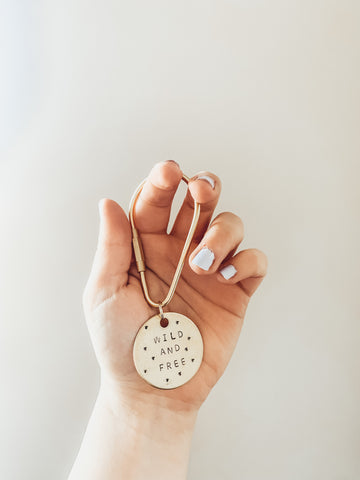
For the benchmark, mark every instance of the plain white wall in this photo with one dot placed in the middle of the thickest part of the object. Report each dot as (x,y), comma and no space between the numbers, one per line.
(266,95)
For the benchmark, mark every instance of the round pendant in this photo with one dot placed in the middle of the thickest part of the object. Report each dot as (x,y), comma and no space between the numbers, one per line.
(168,356)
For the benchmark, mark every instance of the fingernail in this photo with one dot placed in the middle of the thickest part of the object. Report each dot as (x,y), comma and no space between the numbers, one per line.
(228,271)
(176,163)
(208,179)
(204,259)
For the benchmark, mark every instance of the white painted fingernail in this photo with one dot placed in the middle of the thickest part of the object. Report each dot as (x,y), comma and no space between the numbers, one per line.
(208,179)
(228,272)
(204,259)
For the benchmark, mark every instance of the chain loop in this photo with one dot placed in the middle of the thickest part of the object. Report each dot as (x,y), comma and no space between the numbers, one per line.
(139,252)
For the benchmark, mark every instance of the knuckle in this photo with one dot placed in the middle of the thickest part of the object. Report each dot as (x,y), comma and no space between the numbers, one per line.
(260,262)
(229,222)
(236,220)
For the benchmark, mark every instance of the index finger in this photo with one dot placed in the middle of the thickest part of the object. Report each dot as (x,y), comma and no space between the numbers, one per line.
(153,206)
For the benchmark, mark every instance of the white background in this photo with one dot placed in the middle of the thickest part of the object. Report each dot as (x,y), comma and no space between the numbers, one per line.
(266,95)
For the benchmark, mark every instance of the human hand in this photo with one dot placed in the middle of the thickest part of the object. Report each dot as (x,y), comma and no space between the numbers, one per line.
(114,303)
(137,431)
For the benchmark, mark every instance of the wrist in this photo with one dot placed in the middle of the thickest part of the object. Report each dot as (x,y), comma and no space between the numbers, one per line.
(149,412)
(143,437)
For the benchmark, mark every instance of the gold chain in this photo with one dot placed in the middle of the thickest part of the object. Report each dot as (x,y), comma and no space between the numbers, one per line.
(139,252)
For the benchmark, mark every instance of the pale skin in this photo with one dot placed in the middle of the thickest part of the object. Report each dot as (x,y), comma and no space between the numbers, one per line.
(137,431)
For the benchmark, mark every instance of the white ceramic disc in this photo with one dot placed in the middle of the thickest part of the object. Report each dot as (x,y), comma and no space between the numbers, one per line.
(167,357)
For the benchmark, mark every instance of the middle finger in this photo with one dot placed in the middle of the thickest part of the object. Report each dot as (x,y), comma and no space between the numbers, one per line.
(205,188)
(225,234)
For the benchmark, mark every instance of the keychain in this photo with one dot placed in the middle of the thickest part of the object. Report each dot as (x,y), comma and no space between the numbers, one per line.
(168,348)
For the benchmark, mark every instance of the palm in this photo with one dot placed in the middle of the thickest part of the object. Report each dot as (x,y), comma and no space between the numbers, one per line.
(114,303)
(216,309)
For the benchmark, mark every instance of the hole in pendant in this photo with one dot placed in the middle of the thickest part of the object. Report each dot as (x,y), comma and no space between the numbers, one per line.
(164,322)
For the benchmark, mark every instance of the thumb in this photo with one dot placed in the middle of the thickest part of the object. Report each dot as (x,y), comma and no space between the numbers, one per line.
(113,253)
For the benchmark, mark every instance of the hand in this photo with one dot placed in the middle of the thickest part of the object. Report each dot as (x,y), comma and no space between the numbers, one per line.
(114,303)
(137,431)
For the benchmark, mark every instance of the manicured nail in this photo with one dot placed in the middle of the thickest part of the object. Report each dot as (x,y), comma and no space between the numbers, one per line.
(204,259)
(208,179)
(228,271)
(176,163)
